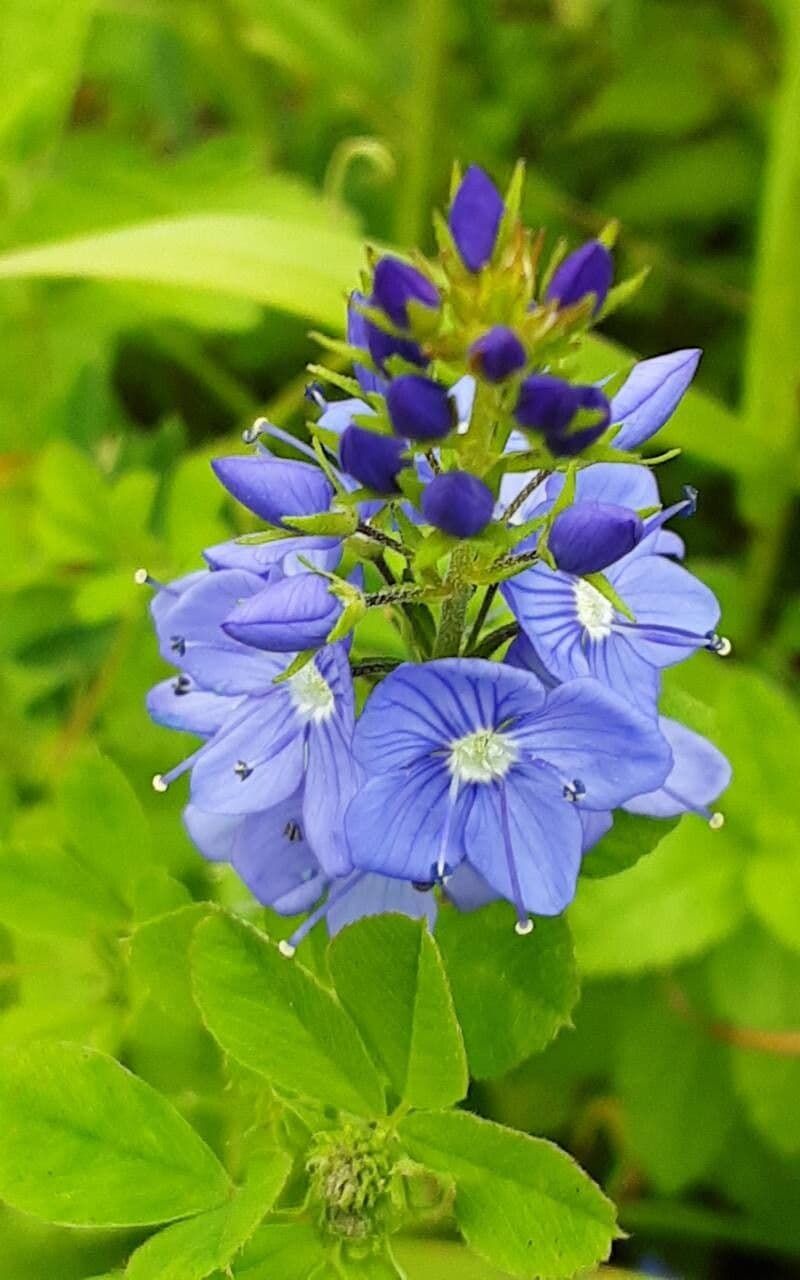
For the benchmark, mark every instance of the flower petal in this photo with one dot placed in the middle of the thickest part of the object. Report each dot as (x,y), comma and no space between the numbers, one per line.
(274,487)
(396,822)
(180,704)
(660,593)
(546,840)
(332,779)
(651,395)
(269,741)
(419,710)
(699,774)
(279,556)
(587,732)
(374,894)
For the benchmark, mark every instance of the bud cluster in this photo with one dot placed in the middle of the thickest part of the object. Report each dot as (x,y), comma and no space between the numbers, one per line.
(351,1172)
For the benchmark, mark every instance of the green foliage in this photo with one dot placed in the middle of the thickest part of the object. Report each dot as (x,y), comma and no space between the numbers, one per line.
(520,1202)
(85,1143)
(404,1012)
(183,188)
(275,1018)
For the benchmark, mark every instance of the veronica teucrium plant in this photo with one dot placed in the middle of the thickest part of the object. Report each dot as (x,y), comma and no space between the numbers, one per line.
(425,689)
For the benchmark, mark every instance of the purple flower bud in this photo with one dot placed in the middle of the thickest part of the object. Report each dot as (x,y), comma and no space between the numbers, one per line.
(589,269)
(546,403)
(568,443)
(274,487)
(497,354)
(382,345)
(290,614)
(420,409)
(458,503)
(589,536)
(371,459)
(475,216)
(396,284)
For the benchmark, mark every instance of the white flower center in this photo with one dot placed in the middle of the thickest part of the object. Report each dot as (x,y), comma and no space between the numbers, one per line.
(595,613)
(482,756)
(311,694)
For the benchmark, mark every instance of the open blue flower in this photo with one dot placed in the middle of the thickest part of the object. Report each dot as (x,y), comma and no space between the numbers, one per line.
(474,761)
(574,630)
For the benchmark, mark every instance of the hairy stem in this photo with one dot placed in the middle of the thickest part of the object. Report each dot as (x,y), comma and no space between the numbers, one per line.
(454,609)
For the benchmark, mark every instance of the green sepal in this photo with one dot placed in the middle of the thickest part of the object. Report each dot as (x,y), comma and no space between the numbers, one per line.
(336,524)
(264,535)
(340,380)
(622,293)
(302,660)
(410,485)
(349,618)
(353,355)
(601,583)
(436,545)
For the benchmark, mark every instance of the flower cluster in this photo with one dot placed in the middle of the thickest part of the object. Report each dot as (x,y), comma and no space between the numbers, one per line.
(470,504)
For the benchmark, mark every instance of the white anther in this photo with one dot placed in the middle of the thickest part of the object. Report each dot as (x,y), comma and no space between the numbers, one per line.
(141,577)
(717,821)
(724,647)
(159,783)
(286,949)
(523,927)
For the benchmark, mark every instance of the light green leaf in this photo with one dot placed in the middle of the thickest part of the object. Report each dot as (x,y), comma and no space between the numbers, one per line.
(631,838)
(772,880)
(512,994)
(281,263)
(389,976)
(103,821)
(47,891)
(159,958)
(271,1015)
(521,1203)
(40,59)
(676,1123)
(674,904)
(755,986)
(289,1250)
(85,1143)
(192,1250)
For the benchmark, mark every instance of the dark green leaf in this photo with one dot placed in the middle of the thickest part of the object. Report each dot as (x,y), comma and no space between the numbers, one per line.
(631,837)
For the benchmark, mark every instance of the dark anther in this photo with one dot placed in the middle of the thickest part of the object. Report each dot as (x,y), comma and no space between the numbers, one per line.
(574,790)
(242,770)
(178,645)
(181,686)
(293,831)
(423,886)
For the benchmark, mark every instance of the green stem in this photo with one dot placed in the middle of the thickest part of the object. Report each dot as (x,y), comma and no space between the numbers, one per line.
(454,609)
(772,377)
(423,119)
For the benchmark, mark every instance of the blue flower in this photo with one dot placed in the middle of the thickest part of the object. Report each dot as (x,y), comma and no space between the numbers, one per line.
(475,217)
(589,270)
(458,503)
(576,631)
(419,408)
(497,354)
(374,460)
(397,284)
(550,405)
(474,761)
(358,335)
(285,616)
(651,395)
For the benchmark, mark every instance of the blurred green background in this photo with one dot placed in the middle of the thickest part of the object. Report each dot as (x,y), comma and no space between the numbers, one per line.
(183,188)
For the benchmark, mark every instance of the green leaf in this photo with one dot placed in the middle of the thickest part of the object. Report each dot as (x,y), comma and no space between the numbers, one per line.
(676,903)
(48,891)
(281,1251)
(512,994)
(676,1118)
(192,1250)
(271,1015)
(283,263)
(772,880)
(389,976)
(159,958)
(103,821)
(755,986)
(521,1203)
(85,1143)
(631,838)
